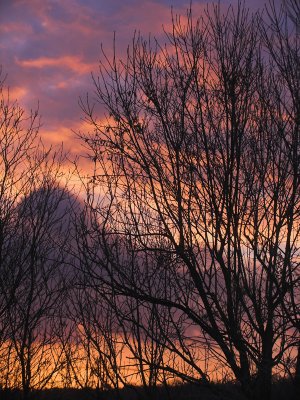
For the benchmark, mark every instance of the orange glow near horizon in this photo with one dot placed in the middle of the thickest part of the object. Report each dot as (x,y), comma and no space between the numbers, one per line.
(86,369)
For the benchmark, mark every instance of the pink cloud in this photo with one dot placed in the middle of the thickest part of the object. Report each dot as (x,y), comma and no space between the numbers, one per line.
(49,48)
(73,63)
(18,93)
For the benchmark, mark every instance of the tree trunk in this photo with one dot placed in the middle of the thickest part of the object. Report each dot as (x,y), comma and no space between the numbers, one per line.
(260,387)
(263,383)
(297,373)
(26,393)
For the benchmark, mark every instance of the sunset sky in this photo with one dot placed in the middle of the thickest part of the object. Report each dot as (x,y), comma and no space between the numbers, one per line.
(48,49)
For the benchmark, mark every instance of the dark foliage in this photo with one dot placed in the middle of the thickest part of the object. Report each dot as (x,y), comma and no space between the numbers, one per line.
(282,390)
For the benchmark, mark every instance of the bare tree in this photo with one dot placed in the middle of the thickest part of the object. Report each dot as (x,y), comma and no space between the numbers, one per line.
(94,313)
(197,149)
(40,256)
(282,40)
(18,142)
(33,209)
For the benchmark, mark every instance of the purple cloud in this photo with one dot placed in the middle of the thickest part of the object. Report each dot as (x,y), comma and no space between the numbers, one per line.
(49,49)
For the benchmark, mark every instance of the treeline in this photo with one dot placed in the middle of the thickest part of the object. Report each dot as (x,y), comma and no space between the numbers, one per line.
(178,260)
(225,391)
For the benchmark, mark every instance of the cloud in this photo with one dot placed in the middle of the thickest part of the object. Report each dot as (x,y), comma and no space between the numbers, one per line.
(18,93)
(73,63)
(49,48)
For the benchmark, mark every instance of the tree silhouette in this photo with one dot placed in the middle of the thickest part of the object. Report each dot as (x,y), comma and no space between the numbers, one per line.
(196,159)
(32,221)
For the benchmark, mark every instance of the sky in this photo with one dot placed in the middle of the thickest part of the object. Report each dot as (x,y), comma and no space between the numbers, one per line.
(49,48)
